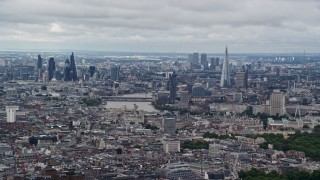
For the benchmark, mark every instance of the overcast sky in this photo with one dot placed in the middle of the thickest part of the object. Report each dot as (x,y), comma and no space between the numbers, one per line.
(254,26)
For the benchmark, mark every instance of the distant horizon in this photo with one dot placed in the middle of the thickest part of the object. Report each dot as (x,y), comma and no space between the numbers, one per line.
(146,52)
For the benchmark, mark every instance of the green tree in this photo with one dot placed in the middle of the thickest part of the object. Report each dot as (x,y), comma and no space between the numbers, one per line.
(195,145)
(91,102)
(149,126)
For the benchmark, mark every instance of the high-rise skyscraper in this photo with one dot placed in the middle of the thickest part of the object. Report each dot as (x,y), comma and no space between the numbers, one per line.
(214,62)
(169,126)
(277,103)
(194,61)
(73,68)
(203,60)
(173,87)
(92,70)
(51,68)
(242,79)
(70,69)
(67,71)
(195,58)
(225,75)
(39,63)
(184,98)
(58,75)
(115,73)
(39,69)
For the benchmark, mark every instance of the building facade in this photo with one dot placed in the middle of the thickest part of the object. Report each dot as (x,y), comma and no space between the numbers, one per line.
(51,68)
(115,73)
(171,146)
(277,103)
(242,79)
(203,60)
(11,113)
(173,87)
(169,126)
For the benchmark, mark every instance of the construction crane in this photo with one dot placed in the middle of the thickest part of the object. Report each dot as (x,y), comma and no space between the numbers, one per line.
(35,152)
(19,155)
(235,172)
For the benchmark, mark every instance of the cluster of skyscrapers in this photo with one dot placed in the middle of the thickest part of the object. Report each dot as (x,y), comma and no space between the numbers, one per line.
(70,70)
(241,77)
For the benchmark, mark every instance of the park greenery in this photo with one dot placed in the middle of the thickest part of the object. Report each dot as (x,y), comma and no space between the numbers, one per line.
(195,145)
(203,144)
(149,126)
(91,102)
(309,143)
(255,174)
(164,107)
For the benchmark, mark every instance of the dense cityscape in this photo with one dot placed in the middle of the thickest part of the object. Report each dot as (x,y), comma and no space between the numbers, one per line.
(159,90)
(158,116)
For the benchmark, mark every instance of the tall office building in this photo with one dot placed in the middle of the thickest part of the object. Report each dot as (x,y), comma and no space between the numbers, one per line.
(169,126)
(195,58)
(58,75)
(242,79)
(214,62)
(51,68)
(204,61)
(39,63)
(39,69)
(194,61)
(73,68)
(67,71)
(277,103)
(92,70)
(184,98)
(225,75)
(115,73)
(173,87)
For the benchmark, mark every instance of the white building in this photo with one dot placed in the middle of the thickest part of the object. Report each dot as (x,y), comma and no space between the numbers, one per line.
(11,113)
(171,146)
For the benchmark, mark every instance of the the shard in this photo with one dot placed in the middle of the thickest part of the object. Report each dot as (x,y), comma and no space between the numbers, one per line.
(225,75)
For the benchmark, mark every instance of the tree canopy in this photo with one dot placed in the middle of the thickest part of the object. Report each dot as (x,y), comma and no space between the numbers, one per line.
(256,174)
(149,126)
(214,135)
(91,102)
(309,143)
(195,145)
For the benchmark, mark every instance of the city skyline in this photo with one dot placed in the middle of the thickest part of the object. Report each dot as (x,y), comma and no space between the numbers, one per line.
(104,116)
(166,26)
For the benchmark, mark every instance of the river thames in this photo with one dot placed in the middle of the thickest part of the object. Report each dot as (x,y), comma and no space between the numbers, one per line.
(146,106)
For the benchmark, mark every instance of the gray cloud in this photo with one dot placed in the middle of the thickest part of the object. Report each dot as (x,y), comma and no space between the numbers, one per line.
(166,25)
